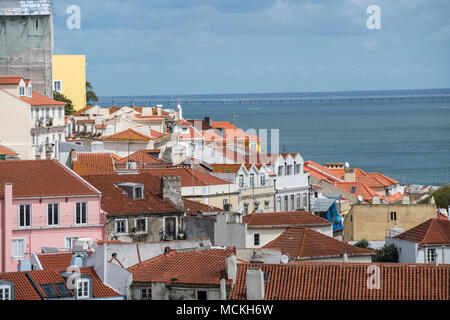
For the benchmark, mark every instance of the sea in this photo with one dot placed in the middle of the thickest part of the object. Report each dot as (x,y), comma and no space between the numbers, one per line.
(404,134)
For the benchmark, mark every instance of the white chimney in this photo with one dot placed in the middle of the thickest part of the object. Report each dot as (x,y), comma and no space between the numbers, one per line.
(223,290)
(231,268)
(345,256)
(255,284)
(159,109)
(180,112)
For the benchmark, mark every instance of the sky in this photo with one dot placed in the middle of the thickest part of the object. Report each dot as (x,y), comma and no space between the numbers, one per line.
(152,47)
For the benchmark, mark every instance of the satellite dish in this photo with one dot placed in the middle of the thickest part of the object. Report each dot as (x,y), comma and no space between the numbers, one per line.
(285,258)
(347,165)
(360,198)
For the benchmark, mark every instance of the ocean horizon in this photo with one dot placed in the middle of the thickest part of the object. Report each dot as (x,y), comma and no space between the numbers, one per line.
(406,138)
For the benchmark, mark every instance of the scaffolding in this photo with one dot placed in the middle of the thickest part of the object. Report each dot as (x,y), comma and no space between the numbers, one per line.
(26,42)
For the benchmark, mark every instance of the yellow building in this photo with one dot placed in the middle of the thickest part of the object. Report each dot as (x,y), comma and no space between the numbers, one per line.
(373,221)
(69,78)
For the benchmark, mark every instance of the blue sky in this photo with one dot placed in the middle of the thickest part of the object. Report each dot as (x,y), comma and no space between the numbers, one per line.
(147,47)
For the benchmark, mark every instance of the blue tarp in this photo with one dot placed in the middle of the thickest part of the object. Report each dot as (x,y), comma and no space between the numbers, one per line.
(334,217)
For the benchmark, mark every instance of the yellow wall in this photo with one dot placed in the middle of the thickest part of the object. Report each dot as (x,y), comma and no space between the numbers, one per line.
(373,221)
(71,70)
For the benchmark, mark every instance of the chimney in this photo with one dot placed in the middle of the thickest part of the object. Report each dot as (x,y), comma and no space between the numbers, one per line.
(349,175)
(180,112)
(73,156)
(255,284)
(159,109)
(223,290)
(208,120)
(231,268)
(171,190)
(406,200)
(345,256)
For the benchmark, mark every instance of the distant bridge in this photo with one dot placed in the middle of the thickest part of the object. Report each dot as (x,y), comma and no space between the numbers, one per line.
(250,100)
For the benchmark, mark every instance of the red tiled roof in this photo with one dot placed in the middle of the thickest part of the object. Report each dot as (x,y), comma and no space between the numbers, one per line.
(128,135)
(383,179)
(10,80)
(81,111)
(193,134)
(100,126)
(319,171)
(142,156)
(204,125)
(189,177)
(226,167)
(115,201)
(87,121)
(194,207)
(93,163)
(58,261)
(99,289)
(7,151)
(49,276)
(305,243)
(283,219)
(360,189)
(49,178)
(40,100)
(23,289)
(431,232)
(347,281)
(192,268)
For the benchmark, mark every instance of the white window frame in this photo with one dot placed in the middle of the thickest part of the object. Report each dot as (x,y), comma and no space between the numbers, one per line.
(60,86)
(22,91)
(252,180)
(13,254)
(3,289)
(147,290)
(262,179)
(82,283)
(53,214)
(18,216)
(72,241)
(87,213)
(241,181)
(116,223)
(135,224)
(142,192)
(431,253)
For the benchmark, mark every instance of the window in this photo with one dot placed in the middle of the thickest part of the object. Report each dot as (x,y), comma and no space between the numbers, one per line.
(49,290)
(256,239)
(266,205)
(393,215)
(252,180)
(18,248)
(241,181)
(29,91)
(278,203)
(316,194)
(245,208)
(138,194)
(298,202)
(81,213)
(263,179)
(121,226)
(289,170)
(305,201)
(202,295)
(292,202)
(286,203)
(280,170)
(69,242)
(353,190)
(256,205)
(170,227)
(47,113)
(21,91)
(60,113)
(431,253)
(5,292)
(57,85)
(141,225)
(33,139)
(296,168)
(83,288)
(53,214)
(146,293)
(24,216)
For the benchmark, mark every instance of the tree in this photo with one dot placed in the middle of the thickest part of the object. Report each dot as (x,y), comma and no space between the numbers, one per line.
(90,94)
(362,244)
(388,253)
(441,197)
(68,108)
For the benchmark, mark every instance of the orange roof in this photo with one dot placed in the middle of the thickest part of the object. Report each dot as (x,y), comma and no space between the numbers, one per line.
(83,121)
(40,100)
(382,178)
(142,156)
(226,167)
(49,177)
(194,207)
(23,288)
(347,281)
(431,232)
(305,243)
(10,80)
(232,133)
(189,177)
(51,276)
(287,219)
(193,268)
(7,151)
(57,260)
(320,172)
(81,111)
(93,163)
(133,135)
(359,188)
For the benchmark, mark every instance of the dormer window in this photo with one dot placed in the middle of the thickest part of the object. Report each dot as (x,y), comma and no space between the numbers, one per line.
(138,193)
(6,290)
(134,190)
(22,91)
(30,91)
(83,288)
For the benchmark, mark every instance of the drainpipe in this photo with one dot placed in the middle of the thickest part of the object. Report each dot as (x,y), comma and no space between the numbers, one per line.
(309,194)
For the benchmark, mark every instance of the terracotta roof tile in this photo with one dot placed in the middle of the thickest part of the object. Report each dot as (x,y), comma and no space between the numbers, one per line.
(49,177)
(283,219)
(128,135)
(142,156)
(10,80)
(359,188)
(192,268)
(7,151)
(115,201)
(305,243)
(49,276)
(347,281)
(23,289)
(99,289)
(40,100)
(189,177)
(194,207)
(81,111)
(431,232)
(93,163)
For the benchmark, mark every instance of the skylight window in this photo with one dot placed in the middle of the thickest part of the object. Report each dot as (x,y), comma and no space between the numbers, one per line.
(62,289)
(49,291)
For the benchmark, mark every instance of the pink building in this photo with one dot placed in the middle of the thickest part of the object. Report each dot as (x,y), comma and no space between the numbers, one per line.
(44,204)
